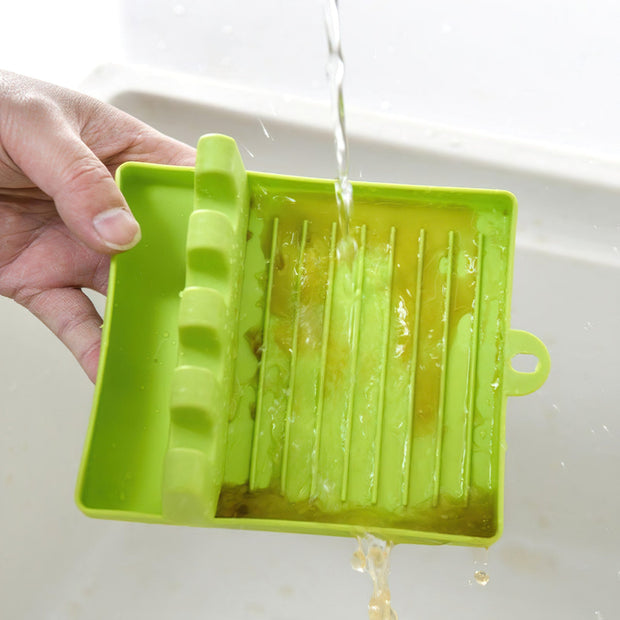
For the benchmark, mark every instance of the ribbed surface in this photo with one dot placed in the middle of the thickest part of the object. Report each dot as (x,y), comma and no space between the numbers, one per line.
(354,410)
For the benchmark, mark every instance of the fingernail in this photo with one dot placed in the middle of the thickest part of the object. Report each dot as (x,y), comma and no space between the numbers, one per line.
(117,228)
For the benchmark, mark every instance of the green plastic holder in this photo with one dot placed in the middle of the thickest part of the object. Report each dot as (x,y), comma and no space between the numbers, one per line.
(250,377)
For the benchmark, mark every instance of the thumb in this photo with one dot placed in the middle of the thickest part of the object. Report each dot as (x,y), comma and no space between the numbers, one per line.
(92,206)
(88,200)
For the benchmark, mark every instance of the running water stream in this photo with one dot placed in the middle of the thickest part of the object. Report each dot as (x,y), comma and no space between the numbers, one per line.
(373,554)
(343,187)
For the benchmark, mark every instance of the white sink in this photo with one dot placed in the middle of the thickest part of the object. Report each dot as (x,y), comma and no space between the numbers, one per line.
(560,553)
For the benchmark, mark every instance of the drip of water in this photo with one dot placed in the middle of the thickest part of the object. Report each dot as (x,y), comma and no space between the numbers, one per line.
(373,557)
(481,577)
(481,566)
(335,71)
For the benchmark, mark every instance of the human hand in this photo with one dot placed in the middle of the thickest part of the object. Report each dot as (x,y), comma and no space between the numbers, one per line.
(61,214)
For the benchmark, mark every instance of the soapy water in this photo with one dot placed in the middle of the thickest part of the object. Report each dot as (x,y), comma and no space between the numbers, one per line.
(373,557)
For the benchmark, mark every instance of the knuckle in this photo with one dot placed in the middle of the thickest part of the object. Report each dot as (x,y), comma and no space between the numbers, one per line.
(71,323)
(34,105)
(27,95)
(84,172)
(26,297)
(89,350)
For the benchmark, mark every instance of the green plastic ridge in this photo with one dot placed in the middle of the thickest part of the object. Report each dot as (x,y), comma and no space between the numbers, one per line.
(201,390)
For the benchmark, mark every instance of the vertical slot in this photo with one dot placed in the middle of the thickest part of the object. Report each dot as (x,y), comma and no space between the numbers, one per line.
(263,357)
(291,385)
(444,368)
(355,335)
(327,312)
(384,363)
(415,340)
(473,368)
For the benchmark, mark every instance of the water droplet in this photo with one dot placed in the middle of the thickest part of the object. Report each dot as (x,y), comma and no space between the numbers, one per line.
(179,10)
(481,563)
(267,135)
(227,29)
(166,334)
(481,577)
(358,561)
(562,464)
(446,28)
(598,615)
(587,326)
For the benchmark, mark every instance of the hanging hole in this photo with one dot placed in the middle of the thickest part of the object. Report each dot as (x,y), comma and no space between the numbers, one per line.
(524,362)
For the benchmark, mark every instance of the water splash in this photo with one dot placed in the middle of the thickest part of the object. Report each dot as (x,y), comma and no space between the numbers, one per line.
(247,150)
(267,134)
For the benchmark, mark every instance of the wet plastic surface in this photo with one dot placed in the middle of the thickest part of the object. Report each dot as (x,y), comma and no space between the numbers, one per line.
(252,378)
